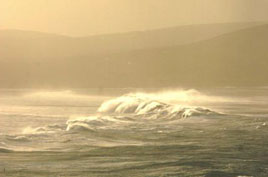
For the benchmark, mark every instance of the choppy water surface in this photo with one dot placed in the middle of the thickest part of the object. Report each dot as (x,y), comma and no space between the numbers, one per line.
(123,132)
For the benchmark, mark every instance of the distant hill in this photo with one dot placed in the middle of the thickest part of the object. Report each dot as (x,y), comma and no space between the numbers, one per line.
(236,59)
(201,55)
(36,46)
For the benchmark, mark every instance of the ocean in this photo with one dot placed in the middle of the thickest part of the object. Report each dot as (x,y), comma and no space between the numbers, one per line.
(215,132)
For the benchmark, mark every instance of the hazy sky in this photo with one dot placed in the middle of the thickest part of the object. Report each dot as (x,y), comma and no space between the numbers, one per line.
(87,17)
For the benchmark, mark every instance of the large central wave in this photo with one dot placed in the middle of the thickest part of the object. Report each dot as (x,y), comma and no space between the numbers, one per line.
(142,106)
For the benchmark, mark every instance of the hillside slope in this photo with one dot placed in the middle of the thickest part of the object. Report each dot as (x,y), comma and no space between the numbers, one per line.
(238,58)
(35,46)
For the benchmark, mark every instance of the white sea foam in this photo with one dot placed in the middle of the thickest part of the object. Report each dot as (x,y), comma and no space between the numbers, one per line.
(95,122)
(125,110)
(19,138)
(154,105)
(42,130)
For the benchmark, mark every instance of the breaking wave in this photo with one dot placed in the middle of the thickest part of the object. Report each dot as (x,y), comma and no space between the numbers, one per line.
(42,130)
(147,105)
(98,122)
(128,109)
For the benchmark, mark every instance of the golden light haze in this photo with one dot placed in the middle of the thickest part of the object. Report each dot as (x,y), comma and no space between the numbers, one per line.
(88,17)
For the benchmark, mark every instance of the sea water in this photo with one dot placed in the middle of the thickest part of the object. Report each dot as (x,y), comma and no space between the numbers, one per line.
(219,132)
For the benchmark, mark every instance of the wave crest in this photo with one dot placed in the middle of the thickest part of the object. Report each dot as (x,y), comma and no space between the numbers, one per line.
(42,130)
(144,105)
(131,109)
